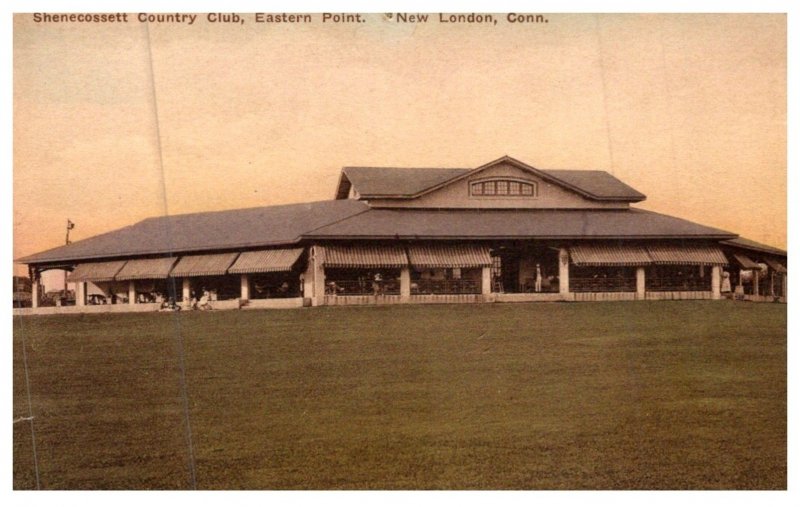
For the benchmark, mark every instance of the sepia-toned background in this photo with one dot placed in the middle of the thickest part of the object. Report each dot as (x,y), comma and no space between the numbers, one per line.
(688,109)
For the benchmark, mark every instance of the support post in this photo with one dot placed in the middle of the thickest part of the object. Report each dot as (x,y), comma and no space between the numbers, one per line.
(34,276)
(715,282)
(563,273)
(187,290)
(405,283)
(132,292)
(783,285)
(317,254)
(245,288)
(486,280)
(80,294)
(308,278)
(640,279)
(756,274)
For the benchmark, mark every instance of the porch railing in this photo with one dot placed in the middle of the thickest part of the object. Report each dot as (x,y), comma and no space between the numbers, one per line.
(671,283)
(361,287)
(463,286)
(550,285)
(600,284)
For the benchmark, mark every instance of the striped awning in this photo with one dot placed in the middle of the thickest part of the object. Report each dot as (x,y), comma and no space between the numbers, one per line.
(687,255)
(609,255)
(95,271)
(449,256)
(775,265)
(745,262)
(266,261)
(363,256)
(144,269)
(203,265)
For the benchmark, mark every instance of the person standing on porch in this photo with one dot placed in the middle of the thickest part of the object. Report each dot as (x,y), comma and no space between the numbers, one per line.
(538,281)
(726,283)
(377,284)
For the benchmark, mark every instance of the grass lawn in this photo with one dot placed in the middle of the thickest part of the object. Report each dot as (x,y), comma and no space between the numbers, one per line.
(631,395)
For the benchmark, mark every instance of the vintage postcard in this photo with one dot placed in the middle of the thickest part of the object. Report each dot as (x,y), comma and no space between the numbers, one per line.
(399,251)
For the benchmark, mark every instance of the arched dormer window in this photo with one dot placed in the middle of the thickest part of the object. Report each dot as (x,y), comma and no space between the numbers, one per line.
(504,187)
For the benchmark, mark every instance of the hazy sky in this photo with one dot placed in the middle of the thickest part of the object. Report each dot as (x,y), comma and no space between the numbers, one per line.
(688,109)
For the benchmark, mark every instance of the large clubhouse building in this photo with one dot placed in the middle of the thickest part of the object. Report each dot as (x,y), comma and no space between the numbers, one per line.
(504,231)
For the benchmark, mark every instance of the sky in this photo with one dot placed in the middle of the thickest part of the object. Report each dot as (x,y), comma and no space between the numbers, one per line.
(114,123)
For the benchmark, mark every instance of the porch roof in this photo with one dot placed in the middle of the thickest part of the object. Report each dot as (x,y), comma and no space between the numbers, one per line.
(775,265)
(745,262)
(95,271)
(609,255)
(266,261)
(204,265)
(363,256)
(449,256)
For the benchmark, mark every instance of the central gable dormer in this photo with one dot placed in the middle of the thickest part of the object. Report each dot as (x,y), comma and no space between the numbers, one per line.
(504,183)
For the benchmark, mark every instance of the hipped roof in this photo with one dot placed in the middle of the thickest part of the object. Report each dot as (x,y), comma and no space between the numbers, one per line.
(198,232)
(514,224)
(350,219)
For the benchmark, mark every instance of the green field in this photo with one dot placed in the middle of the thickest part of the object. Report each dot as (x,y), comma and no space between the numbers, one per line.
(633,395)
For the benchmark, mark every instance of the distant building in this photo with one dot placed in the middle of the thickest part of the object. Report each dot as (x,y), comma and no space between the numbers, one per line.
(504,231)
(22,291)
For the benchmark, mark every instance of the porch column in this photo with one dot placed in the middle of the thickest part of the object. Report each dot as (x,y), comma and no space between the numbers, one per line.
(640,283)
(132,292)
(715,282)
(563,273)
(34,275)
(319,275)
(187,290)
(80,294)
(486,280)
(245,288)
(783,285)
(308,278)
(756,273)
(405,283)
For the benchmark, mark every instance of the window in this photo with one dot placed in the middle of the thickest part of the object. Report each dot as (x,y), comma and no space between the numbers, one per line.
(503,188)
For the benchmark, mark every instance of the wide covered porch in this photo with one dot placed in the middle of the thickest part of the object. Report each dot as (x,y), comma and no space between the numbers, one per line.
(636,270)
(261,278)
(366,273)
(388,272)
(755,273)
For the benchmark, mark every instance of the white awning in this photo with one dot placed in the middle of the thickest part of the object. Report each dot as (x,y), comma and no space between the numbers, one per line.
(687,255)
(363,256)
(95,271)
(146,269)
(609,255)
(203,265)
(449,256)
(266,261)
